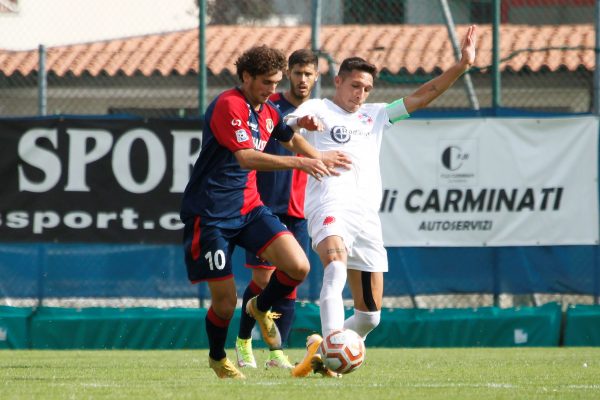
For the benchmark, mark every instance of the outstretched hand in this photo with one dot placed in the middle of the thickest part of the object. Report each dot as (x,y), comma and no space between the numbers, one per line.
(334,159)
(310,123)
(326,166)
(468,47)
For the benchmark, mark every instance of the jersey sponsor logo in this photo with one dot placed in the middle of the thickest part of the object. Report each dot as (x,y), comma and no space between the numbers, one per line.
(365,119)
(241,135)
(328,220)
(236,122)
(341,134)
(270,125)
(259,144)
(253,126)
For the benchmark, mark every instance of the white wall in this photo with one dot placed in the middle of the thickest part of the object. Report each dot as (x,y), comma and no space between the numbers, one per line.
(60,22)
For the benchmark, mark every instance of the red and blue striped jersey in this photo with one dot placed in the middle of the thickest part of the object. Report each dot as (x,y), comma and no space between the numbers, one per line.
(219,188)
(282,191)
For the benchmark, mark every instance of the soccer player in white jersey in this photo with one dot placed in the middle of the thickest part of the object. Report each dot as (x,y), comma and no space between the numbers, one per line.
(342,212)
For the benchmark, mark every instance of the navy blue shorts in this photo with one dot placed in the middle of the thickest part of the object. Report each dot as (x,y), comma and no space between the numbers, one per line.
(298,228)
(209,243)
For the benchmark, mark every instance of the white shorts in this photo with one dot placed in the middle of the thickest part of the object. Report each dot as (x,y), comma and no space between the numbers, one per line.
(361,234)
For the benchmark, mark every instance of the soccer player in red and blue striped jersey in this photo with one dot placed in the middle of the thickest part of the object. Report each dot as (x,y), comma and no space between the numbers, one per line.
(221,206)
(283,193)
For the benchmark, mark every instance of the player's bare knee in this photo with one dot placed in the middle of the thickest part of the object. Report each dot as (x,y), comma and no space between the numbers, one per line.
(261,277)
(301,270)
(224,306)
(331,254)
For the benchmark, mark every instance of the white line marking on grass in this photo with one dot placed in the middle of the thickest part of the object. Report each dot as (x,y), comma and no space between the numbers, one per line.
(491,385)
(590,387)
(101,385)
(263,383)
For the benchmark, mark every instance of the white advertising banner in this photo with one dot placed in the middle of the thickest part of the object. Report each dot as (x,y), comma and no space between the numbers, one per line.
(490,182)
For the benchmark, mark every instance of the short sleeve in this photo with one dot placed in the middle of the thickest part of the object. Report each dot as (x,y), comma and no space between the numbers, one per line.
(229,124)
(309,107)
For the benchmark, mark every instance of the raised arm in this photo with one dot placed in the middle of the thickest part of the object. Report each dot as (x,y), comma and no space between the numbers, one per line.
(431,90)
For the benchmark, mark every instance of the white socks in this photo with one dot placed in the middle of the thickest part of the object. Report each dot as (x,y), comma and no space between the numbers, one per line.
(332,303)
(363,322)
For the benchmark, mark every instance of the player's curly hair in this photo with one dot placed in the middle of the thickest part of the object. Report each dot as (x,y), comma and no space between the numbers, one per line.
(356,63)
(260,60)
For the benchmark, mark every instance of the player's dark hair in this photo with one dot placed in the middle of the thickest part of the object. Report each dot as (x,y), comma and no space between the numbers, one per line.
(356,63)
(260,60)
(303,57)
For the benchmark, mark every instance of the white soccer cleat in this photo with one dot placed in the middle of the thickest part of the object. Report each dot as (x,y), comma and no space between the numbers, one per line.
(278,360)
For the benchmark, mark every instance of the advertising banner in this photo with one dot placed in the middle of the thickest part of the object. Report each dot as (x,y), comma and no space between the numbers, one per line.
(457,182)
(490,182)
(94,179)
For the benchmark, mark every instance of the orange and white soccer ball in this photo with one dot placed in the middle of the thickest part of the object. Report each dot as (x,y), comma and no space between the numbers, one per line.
(343,351)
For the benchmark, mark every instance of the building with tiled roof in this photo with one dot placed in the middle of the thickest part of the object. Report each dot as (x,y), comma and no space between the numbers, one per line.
(161,70)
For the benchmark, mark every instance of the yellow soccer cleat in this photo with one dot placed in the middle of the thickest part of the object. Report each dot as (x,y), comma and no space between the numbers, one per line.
(266,322)
(225,369)
(278,360)
(304,367)
(243,351)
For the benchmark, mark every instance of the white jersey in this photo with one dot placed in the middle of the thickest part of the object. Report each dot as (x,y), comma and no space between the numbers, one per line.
(357,134)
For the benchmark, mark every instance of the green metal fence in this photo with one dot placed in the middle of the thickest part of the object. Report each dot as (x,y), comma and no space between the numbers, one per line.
(545,59)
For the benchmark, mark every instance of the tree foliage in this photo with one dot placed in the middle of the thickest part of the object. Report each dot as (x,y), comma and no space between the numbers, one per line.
(231,12)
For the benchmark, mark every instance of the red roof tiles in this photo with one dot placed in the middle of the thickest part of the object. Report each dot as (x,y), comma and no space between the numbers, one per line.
(392,47)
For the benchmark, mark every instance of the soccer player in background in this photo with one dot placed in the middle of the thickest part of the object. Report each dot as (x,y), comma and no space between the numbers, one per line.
(342,213)
(221,207)
(283,193)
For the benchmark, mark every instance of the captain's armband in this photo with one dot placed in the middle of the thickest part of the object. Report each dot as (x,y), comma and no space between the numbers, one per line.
(397,111)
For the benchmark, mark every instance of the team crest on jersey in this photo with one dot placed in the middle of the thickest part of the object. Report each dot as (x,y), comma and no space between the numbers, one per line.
(328,220)
(365,118)
(340,134)
(270,125)
(241,135)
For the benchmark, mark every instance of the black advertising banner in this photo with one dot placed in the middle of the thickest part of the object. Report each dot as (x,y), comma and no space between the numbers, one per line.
(79,179)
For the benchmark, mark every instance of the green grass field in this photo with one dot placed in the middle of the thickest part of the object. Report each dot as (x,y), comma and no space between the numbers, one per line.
(474,373)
